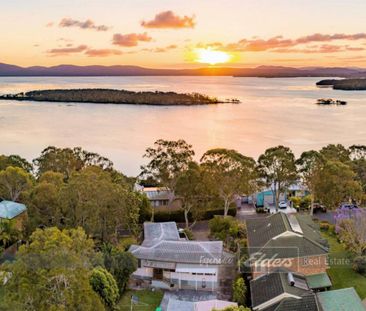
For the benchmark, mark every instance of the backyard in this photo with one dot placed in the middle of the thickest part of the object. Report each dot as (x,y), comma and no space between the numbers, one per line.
(343,275)
(147,300)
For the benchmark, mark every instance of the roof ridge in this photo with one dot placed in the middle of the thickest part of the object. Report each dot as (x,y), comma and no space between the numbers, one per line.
(286,222)
(316,243)
(147,247)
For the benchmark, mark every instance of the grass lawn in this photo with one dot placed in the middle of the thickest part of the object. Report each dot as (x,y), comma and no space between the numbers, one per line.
(148,300)
(343,276)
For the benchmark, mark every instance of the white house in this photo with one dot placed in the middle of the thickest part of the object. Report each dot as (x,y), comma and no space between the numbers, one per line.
(170,262)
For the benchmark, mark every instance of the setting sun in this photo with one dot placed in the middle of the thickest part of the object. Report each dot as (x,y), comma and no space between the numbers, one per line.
(212,57)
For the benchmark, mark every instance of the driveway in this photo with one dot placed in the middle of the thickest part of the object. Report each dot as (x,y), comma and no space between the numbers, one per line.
(247,211)
(328,216)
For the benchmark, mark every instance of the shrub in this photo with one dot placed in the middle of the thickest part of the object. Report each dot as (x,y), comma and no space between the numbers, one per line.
(227,229)
(178,215)
(359,264)
(125,243)
(305,202)
(105,286)
(324,226)
(332,229)
(296,201)
(239,291)
(189,234)
(120,264)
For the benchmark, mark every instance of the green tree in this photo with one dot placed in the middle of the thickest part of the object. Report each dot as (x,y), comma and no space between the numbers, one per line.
(8,233)
(105,286)
(13,182)
(308,165)
(52,272)
(239,291)
(15,161)
(121,264)
(335,183)
(93,201)
(277,168)
(228,174)
(358,164)
(227,229)
(168,160)
(190,189)
(336,153)
(44,200)
(67,160)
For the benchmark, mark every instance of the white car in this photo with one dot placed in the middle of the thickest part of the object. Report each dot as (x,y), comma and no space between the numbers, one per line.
(282,205)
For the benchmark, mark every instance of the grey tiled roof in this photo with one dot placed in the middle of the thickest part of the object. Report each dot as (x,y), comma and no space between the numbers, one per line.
(292,247)
(181,251)
(162,243)
(306,303)
(272,285)
(155,232)
(261,230)
(262,233)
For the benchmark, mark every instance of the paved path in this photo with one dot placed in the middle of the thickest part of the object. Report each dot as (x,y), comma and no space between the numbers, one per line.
(247,211)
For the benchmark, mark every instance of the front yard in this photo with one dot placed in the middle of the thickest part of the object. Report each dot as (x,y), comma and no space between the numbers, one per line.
(148,300)
(343,276)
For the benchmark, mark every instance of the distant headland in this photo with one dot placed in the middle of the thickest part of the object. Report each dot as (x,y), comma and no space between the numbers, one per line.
(344,84)
(110,96)
(123,70)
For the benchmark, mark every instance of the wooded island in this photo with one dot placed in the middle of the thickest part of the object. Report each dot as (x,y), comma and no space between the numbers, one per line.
(110,96)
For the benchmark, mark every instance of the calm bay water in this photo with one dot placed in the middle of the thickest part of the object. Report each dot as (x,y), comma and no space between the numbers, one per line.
(272,112)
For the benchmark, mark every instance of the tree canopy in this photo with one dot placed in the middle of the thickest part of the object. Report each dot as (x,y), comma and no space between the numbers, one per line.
(168,159)
(13,182)
(228,174)
(51,272)
(92,200)
(277,169)
(67,160)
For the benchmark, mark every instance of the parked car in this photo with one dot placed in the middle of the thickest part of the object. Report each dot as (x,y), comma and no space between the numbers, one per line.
(319,207)
(348,205)
(282,205)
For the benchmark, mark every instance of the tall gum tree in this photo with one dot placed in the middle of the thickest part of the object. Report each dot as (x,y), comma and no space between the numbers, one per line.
(309,163)
(277,169)
(168,160)
(229,174)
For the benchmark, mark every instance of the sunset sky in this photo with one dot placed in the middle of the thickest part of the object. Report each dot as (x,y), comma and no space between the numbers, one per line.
(183,34)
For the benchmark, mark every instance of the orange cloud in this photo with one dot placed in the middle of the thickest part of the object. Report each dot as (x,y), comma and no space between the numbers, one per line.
(131,39)
(279,43)
(318,37)
(67,50)
(161,49)
(168,19)
(326,48)
(102,52)
(88,24)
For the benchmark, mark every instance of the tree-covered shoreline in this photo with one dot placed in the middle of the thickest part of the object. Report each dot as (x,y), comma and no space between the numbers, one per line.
(112,96)
(344,84)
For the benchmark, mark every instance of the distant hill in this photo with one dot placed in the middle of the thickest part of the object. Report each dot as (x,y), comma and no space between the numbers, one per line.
(120,70)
